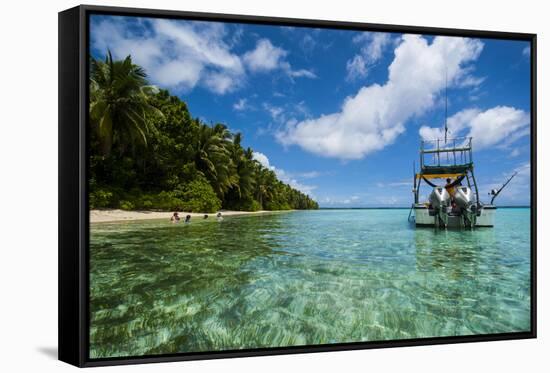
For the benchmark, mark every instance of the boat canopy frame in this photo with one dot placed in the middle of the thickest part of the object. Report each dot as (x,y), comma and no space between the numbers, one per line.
(441,159)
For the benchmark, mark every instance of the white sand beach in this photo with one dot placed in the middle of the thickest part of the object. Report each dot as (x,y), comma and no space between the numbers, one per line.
(114,215)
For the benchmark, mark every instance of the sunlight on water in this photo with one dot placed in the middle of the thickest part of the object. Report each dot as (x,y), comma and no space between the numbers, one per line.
(298,278)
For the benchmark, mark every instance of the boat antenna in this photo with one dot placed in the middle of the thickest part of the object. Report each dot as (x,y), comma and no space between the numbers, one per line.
(446,129)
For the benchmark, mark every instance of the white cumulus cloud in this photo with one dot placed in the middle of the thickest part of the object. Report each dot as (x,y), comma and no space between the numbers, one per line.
(262,159)
(498,126)
(175,54)
(267,57)
(377,114)
(356,67)
(373,46)
(264,57)
(182,55)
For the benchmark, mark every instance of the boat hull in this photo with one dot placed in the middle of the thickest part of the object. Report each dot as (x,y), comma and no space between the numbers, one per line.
(425,217)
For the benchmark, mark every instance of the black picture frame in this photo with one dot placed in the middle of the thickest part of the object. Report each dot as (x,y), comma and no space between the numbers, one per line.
(73,189)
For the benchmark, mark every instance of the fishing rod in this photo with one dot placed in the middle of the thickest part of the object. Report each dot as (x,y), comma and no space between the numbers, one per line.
(495,192)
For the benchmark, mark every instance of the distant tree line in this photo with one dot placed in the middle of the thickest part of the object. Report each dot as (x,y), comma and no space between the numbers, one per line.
(148,152)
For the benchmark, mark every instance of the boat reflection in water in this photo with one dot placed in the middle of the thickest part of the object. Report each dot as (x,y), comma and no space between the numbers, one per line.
(472,280)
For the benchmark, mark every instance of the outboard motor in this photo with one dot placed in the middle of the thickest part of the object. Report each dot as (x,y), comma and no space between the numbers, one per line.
(464,200)
(463,197)
(439,197)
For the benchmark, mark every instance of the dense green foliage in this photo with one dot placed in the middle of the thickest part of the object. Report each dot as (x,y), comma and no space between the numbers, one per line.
(147,152)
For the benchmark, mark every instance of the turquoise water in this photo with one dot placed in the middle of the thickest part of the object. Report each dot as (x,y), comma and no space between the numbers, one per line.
(302,278)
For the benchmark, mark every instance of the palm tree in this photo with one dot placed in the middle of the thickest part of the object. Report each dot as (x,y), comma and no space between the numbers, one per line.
(119,105)
(265,180)
(247,174)
(212,157)
(244,168)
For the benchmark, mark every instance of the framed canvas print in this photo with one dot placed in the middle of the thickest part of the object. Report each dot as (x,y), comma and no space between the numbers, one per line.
(243,185)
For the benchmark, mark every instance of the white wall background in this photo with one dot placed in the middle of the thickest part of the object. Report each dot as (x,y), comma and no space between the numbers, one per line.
(28,184)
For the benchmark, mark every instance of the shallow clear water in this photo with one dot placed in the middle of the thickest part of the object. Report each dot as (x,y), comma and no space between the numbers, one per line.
(306,277)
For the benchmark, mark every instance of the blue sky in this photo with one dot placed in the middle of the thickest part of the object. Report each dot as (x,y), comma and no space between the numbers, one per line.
(339,114)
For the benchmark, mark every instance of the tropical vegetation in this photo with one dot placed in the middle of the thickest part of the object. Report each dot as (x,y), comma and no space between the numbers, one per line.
(148,152)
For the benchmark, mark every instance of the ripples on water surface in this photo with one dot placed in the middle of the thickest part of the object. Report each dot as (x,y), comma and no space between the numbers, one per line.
(298,278)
